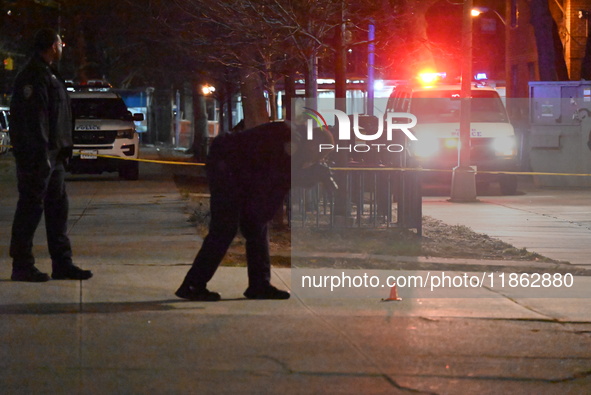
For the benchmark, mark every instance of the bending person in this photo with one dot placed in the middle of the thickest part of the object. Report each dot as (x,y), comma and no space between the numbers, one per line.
(249,175)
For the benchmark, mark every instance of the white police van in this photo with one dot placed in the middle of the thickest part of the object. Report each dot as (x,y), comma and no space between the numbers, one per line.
(437,108)
(104,131)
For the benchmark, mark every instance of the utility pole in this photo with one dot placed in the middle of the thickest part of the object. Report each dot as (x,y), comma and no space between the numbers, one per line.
(371,55)
(341,159)
(463,184)
(341,63)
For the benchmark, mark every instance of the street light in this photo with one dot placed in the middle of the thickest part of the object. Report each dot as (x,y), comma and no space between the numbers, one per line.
(207,89)
(463,182)
(476,11)
(463,185)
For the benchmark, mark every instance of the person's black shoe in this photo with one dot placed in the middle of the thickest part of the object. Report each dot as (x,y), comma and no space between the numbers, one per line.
(71,272)
(193,293)
(31,275)
(269,292)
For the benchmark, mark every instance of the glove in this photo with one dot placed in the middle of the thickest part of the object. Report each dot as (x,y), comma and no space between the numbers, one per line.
(314,174)
(326,177)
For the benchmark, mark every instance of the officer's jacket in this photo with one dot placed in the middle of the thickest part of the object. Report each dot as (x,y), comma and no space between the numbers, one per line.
(40,114)
(255,166)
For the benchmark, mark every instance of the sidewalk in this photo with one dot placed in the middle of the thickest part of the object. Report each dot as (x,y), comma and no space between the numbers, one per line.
(554,223)
(124,331)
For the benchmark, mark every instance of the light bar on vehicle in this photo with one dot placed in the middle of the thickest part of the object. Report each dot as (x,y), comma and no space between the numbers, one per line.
(89,86)
(431,77)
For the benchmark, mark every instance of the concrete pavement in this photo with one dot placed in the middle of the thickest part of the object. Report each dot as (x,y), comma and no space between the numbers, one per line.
(552,222)
(124,331)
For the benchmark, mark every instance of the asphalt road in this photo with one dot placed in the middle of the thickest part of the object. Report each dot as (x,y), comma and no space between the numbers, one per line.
(124,331)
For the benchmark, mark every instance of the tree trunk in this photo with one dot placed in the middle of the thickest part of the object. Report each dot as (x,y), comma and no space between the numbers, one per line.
(559,60)
(272,103)
(586,65)
(253,99)
(200,137)
(290,92)
(551,63)
(312,81)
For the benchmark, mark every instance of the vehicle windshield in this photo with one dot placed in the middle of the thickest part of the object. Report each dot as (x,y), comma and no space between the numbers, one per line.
(102,108)
(444,107)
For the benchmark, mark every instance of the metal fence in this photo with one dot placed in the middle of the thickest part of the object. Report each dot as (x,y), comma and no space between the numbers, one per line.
(367,198)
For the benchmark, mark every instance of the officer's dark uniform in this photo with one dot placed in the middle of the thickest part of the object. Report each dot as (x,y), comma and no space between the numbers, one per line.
(249,174)
(41,134)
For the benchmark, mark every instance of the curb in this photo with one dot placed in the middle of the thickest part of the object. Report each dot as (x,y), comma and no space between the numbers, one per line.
(374,261)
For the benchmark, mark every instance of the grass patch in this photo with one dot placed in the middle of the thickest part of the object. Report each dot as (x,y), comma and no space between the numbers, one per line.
(438,240)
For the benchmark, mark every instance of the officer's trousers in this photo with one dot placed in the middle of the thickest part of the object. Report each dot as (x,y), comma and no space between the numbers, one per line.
(40,193)
(231,210)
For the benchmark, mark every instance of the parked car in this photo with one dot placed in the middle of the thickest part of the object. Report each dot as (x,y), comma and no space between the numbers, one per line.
(4,136)
(437,108)
(104,131)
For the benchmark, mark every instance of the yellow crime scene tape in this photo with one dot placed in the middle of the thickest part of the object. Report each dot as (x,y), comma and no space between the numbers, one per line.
(163,162)
(420,169)
(417,169)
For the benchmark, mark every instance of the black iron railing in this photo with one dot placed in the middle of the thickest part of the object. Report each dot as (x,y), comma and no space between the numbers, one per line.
(367,197)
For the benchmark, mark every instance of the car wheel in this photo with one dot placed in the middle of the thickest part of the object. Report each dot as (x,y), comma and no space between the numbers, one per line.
(508,183)
(130,171)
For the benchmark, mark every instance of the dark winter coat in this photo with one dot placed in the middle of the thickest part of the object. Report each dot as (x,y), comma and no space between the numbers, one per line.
(40,115)
(254,165)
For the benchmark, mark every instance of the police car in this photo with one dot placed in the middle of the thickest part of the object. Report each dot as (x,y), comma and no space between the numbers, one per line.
(104,131)
(437,108)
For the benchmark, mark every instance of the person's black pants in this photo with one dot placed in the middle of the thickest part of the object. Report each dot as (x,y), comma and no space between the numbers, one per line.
(231,210)
(40,193)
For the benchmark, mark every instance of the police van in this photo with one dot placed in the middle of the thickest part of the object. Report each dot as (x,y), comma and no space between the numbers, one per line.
(104,131)
(437,108)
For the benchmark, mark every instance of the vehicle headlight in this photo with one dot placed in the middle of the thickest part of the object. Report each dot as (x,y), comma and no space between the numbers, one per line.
(451,142)
(125,134)
(504,146)
(425,147)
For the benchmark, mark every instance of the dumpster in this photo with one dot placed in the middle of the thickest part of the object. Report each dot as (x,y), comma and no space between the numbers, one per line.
(560,118)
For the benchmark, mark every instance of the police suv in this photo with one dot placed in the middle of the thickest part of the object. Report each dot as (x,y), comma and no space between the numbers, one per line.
(104,131)
(437,108)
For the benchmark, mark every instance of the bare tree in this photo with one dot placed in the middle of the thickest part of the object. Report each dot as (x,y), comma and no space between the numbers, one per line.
(261,41)
(265,40)
(552,65)
(117,40)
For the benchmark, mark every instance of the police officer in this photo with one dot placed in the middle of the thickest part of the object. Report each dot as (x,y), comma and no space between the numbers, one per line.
(41,134)
(249,174)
